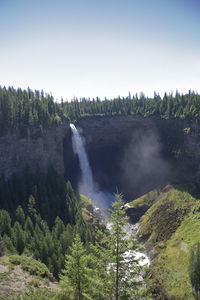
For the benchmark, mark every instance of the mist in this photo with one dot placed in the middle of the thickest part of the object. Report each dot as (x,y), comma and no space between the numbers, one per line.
(143,165)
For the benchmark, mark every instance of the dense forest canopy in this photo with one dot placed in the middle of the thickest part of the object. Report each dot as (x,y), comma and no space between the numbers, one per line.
(40,217)
(22,108)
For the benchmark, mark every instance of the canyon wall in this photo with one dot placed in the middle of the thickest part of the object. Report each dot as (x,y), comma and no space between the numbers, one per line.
(38,150)
(137,154)
(131,153)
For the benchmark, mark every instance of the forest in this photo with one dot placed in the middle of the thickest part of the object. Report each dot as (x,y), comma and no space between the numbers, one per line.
(40,218)
(20,109)
(89,260)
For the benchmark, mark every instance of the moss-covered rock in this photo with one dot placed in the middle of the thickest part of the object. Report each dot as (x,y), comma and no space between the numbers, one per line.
(165,215)
(137,208)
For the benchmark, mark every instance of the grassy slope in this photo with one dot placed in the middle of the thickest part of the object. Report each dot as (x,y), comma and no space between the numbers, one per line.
(171,226)
(22,274)
(146,200)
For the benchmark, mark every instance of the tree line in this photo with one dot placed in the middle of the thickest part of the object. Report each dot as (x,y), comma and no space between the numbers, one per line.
(22,109)
(169,106)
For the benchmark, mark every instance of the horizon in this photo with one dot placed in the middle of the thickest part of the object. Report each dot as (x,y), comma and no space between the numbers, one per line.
(129,95)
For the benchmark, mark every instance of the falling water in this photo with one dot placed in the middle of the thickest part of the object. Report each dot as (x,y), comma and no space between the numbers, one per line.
(87,186)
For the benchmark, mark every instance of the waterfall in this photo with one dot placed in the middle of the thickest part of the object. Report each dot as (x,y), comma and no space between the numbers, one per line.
(87,186)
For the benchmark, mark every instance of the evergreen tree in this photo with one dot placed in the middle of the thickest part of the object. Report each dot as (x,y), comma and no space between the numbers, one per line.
(20,216)
(75,273)
(18,237)
(124,268)
(101,283)
(110,270)
(5,223)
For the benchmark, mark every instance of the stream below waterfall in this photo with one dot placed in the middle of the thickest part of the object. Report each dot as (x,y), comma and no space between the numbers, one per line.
(100,199)
(132,229)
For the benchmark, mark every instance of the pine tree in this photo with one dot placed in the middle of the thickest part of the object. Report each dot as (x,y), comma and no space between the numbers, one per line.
(5,223)
(124,268)
(111,269)
(18,237)
(101,284)
(20,216)
(75,273)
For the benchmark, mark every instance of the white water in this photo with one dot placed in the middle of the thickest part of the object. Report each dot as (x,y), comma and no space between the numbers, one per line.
(133,229)
(87,186)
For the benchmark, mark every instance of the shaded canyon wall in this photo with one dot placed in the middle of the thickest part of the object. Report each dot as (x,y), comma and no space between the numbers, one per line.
(138,154)
(132,153)
(37,149)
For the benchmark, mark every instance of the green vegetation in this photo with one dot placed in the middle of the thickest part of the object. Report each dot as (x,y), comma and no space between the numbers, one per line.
(100,270)
(47,194)
(166,214)
(21,109)
(22,277)
(40,218)
(171,227)
(194,272)
(43,294)
(87,208)
(75,274)
(105,271)
(170,106)
(146,200)
(32,266)
(89,214)
(124,269)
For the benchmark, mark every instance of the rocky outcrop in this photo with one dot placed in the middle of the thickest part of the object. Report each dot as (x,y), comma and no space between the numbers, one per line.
(37,150)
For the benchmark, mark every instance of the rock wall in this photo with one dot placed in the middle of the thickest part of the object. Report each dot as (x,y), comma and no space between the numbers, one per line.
(131,153)
(37,149)
(138,154)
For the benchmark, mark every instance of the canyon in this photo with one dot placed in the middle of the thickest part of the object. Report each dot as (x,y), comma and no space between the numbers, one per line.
(131,153)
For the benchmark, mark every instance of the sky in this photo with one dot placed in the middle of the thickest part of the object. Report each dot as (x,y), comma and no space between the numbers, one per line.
(104,48)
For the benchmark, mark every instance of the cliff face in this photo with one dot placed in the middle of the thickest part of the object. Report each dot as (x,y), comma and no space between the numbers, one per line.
(38,150)
(132,153)
(139,154)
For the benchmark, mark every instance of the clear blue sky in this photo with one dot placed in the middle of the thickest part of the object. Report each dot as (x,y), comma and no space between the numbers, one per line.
(89,48)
